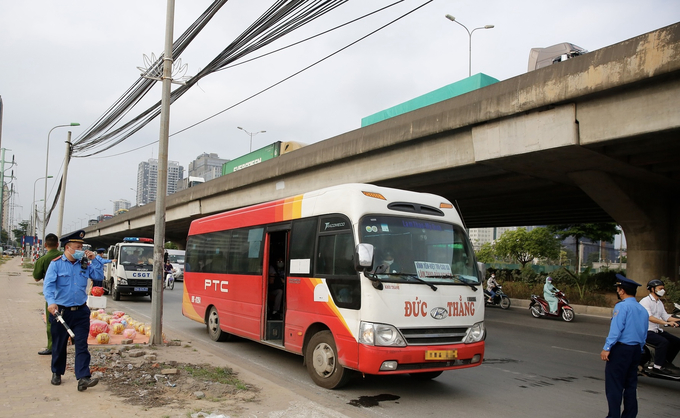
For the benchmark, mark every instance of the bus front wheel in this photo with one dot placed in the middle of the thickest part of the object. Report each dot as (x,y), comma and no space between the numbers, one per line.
(321,357)
(213,323)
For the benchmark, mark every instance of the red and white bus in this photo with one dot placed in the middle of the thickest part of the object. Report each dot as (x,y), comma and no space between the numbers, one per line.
(377,280)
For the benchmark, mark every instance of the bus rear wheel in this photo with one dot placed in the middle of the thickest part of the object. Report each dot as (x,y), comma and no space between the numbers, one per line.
(321,357)
(213,324)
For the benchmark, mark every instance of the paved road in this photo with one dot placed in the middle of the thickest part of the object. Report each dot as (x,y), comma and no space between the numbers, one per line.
(533,367)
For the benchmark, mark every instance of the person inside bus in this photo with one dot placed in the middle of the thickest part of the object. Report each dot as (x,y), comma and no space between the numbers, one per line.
(387,264)
(277,275)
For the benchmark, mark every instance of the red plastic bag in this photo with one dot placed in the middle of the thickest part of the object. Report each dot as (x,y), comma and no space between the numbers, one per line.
(97,327)
(97,291)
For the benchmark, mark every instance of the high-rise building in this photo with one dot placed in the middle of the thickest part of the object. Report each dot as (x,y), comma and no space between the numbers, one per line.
(207,166)
(147,180)
(120,204)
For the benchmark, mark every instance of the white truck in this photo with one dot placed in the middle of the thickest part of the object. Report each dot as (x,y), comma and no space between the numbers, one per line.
(131,272)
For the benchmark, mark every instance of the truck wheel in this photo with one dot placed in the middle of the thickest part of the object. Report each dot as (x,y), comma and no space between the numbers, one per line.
(115,293)
(213,324)
(321,357)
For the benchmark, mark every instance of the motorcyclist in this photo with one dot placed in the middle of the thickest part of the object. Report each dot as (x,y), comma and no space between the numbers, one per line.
(667,345)
(167,267)
(549,294)
(491,286)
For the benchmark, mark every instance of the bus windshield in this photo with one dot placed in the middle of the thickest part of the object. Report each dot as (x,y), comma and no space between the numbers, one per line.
(405,247)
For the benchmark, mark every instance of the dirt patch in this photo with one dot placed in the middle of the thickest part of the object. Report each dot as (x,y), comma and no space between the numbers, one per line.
(152,377)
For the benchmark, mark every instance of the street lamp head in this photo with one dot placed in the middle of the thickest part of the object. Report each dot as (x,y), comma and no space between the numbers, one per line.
(49,177)
(451,18)
(74,124)
(239,128)
(488,26)
(263,131)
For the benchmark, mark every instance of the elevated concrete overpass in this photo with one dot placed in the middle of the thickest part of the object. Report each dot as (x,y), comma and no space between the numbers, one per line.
(594,138)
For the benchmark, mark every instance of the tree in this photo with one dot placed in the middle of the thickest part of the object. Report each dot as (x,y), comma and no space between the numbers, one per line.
(486,254)
(21,230)
(523,246)
(603,231)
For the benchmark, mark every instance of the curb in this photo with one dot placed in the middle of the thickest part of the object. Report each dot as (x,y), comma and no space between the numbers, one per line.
(578,309)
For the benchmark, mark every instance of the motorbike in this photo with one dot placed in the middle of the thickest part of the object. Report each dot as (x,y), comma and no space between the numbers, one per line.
(169,282)
(500,299)
(539,307)
(646,366)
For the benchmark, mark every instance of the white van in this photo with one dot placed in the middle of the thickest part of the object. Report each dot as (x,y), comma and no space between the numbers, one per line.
(176,258)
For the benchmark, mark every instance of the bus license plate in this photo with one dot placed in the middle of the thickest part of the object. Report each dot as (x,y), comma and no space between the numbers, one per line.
(141,289)
(441,354)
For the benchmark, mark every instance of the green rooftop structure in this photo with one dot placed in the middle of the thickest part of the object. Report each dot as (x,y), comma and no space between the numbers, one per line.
(466,85)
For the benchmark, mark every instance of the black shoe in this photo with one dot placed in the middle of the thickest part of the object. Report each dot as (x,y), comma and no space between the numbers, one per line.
(86,382)
(45,352)
(56,379)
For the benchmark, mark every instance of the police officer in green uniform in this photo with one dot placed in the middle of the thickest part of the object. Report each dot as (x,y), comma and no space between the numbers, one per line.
(623,349)
(39,270)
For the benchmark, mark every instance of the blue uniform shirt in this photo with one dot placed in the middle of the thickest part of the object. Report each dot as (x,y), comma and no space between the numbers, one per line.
(104,260)
(629,324)
(66,282)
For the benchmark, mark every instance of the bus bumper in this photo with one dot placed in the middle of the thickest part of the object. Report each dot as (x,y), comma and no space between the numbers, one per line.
(412,359)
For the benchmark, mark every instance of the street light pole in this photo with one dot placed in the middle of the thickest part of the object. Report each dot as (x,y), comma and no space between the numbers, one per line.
(47,162)
(251,136)
(453,19)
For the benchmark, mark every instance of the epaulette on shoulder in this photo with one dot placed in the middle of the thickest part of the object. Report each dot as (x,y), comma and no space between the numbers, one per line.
(56,258)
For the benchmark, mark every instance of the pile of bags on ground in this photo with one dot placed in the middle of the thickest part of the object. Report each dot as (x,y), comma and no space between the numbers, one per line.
(103,324)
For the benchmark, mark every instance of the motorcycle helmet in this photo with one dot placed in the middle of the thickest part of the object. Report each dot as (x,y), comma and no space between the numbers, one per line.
(654,283)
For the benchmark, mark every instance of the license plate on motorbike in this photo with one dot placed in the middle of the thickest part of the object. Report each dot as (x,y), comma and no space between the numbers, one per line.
(441,354)
(141,289)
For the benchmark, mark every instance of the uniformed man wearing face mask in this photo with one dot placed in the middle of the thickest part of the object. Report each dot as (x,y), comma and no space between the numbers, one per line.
(64,288)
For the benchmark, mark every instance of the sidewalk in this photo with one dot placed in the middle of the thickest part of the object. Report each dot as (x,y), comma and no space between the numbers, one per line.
(25,376)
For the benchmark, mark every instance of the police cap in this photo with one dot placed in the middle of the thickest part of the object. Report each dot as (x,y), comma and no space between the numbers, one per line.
(73,237)
(101,250)
(626,282)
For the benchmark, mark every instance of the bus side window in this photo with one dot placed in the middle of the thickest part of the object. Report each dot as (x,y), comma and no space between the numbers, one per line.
(334,261)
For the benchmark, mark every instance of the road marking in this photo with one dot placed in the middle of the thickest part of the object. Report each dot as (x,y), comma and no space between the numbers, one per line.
(569,349)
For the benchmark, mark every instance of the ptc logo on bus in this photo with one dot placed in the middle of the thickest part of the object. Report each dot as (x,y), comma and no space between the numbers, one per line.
(216,284)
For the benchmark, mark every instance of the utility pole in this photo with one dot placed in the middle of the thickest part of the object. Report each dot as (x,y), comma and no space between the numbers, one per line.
(162,184)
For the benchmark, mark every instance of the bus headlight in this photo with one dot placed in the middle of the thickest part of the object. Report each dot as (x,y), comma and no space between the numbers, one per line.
(381,335)
(122,281)
(475,333)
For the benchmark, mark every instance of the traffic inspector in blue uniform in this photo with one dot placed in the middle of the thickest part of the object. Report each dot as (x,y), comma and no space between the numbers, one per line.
(64,288)
(623,349)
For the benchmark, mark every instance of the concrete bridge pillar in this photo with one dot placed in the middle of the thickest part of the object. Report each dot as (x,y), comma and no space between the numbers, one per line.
(650,218)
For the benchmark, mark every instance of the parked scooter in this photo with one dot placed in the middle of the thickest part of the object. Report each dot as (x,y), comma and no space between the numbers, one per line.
(539,307)
(500,299)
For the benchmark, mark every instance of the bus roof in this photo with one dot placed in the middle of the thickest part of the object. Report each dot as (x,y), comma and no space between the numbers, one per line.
(348,199)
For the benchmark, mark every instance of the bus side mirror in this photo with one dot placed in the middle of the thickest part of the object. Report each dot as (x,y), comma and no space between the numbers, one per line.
(363,257)
(481,267)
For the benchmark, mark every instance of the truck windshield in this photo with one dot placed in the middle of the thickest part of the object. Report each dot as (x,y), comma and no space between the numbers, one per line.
(436,252)
(136,255)
(176,258)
